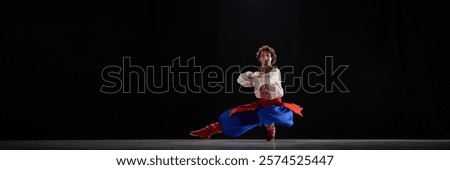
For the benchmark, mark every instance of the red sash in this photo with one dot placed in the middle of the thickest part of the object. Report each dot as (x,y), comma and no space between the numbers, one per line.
(264,102)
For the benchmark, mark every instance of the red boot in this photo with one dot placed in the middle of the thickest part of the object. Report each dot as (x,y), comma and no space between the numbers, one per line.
(207,131)
(270,132)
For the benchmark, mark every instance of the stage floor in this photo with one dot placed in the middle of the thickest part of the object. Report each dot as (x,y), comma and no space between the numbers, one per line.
(228,144)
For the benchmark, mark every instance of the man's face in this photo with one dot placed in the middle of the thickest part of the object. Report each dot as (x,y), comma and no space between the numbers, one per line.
(265,58)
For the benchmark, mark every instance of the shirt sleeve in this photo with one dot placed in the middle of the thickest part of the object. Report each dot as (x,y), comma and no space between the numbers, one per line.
(275,77)
(275,82)
(244,79)
(279,92)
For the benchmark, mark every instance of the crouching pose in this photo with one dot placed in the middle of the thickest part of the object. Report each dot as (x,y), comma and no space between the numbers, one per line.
(268,111)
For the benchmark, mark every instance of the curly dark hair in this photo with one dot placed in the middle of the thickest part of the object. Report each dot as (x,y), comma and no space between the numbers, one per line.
(268,49)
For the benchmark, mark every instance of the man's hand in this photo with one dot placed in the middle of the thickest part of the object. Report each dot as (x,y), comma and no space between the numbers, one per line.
(264,91)
(247,84)
(255,75)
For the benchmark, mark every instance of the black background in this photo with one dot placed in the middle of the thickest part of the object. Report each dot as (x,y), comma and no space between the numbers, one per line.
(53,54)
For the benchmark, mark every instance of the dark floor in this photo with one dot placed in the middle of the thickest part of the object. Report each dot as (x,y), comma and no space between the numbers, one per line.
(229,144)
